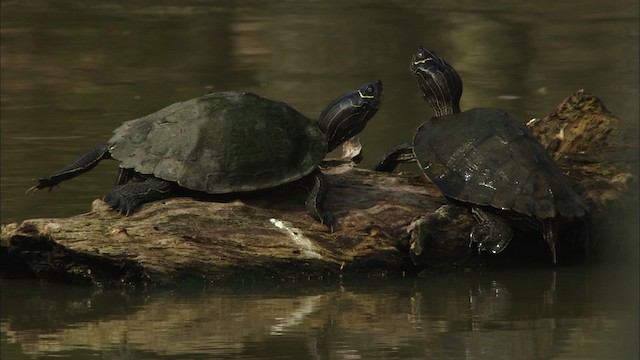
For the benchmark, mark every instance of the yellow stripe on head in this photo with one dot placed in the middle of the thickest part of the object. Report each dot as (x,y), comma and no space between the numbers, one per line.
(422,61)
(365,96)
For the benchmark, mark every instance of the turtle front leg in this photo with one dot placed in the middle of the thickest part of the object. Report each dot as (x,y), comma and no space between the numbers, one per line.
(492,233)
(128,197)
(317,194)
(82,164)
(402,153)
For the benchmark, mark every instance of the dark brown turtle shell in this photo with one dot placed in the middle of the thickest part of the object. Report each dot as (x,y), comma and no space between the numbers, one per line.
(486,157)
(221,143)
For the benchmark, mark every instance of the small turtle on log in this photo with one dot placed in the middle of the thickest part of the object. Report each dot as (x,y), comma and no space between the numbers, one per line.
(225,142)
(487,160)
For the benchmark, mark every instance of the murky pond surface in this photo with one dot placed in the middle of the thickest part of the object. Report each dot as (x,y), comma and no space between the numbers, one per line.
(73,71)
(523,314)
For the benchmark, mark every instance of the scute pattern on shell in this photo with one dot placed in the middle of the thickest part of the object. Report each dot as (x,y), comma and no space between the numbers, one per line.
(221,143)
(485,157)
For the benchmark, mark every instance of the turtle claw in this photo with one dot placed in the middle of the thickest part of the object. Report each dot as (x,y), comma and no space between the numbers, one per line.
(125,199)
(492,234)
(329,221)
(474,239)
(43,182)
(121,208)
(118,202)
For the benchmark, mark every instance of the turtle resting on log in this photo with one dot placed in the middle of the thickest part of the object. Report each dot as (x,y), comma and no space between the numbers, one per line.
(389,224)
(486,159)
(223,143)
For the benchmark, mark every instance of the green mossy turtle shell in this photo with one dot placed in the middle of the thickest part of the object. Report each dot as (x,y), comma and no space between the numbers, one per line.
(221,143)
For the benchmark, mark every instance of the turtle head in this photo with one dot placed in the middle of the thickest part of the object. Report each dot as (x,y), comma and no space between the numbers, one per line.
(347,115)
(439,82)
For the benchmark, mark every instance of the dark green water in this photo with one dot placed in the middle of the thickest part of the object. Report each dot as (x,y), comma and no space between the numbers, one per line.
(72,71)
(541,314)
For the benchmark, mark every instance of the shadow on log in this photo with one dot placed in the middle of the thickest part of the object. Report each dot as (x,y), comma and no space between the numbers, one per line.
(388,223)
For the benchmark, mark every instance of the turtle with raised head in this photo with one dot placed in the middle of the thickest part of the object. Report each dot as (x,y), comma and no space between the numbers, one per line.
(486,159)
(226,142)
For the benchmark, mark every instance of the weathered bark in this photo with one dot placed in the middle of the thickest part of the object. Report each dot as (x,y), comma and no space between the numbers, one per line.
(270,234)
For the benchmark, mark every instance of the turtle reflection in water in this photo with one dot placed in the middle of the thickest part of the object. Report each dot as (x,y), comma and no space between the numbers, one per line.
(222,143)
(486,159)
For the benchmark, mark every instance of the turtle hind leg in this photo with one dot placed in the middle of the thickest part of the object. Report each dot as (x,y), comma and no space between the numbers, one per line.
(402,153)
(82,164)
(317,193)
(128,197)
(492,233)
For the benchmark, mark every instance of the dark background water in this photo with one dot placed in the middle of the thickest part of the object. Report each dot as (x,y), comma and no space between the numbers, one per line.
(72,71)
(518,314)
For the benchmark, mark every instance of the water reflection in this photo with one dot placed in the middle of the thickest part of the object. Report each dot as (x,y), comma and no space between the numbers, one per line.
(522,314)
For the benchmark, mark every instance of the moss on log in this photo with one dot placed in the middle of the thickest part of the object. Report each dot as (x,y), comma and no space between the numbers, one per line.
(388,223)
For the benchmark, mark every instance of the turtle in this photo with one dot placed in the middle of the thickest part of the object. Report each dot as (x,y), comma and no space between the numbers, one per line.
(487,160)
(223,143)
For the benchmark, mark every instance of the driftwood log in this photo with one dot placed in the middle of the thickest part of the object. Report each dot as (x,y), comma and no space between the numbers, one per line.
(388,223)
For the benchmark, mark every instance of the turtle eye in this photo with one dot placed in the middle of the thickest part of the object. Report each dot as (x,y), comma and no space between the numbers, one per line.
(370,90)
